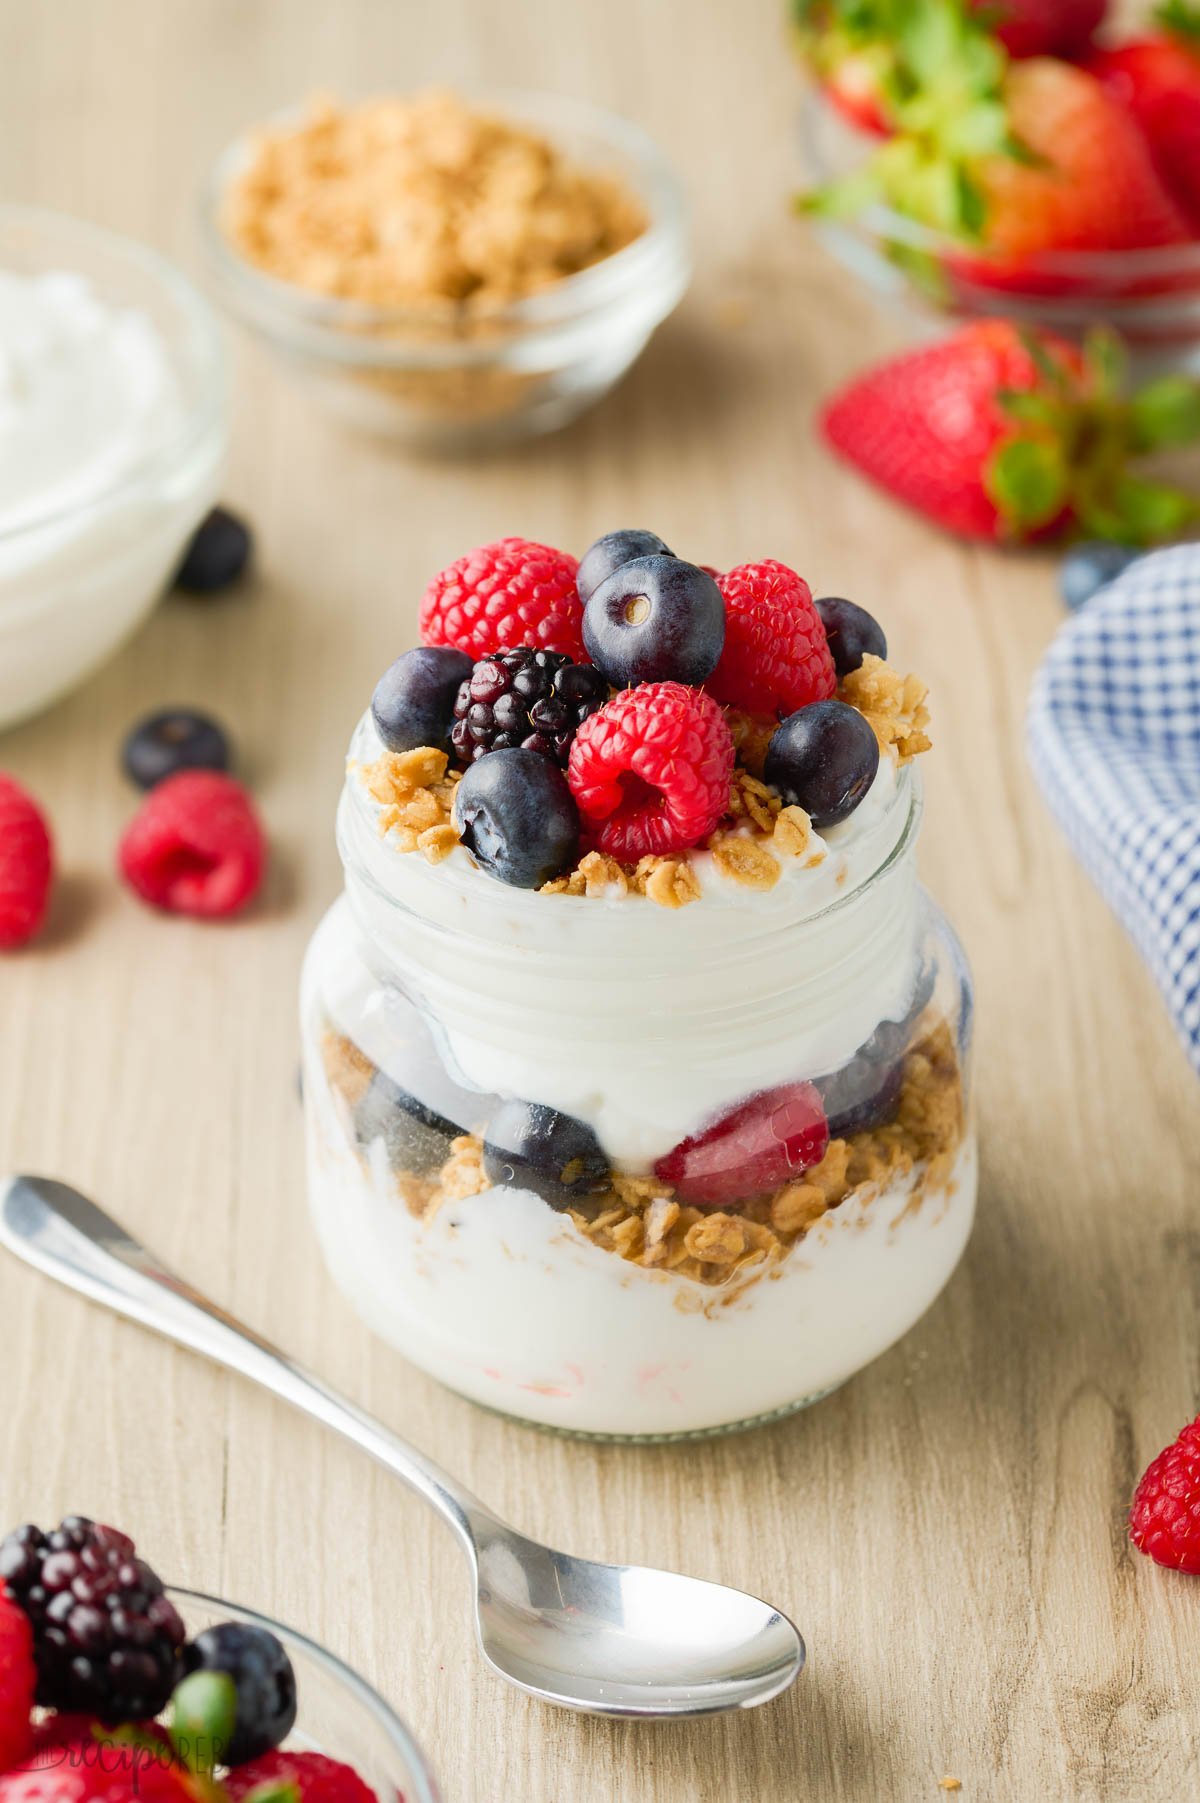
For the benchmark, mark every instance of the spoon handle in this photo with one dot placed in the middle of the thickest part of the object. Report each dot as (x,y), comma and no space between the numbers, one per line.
(63,1235)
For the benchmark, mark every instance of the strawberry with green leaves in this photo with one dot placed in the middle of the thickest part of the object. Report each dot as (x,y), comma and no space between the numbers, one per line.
(1156,78)
(860,50)
(1015,160)
(1008,436)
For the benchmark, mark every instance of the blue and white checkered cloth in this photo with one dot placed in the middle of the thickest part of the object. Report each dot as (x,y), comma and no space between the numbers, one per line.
(1114,739)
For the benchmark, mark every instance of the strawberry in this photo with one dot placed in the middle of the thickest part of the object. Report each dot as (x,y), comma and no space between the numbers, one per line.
(1019,159)
(1090,185)
(1005,435)
(1157,81)
(1043,27)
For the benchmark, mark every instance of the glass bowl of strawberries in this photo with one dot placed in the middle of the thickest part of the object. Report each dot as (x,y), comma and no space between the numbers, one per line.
(113,1686)
(1041,168)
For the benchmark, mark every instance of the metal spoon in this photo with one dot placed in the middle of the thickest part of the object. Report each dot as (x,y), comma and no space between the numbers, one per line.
(607,1639)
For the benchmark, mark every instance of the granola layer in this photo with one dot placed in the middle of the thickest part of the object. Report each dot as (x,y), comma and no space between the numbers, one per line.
(639,1220)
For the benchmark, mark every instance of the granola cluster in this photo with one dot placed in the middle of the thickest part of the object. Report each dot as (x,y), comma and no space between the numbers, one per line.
(758,836)
(415,792)
(422,202)
(638,1219)
(894,704)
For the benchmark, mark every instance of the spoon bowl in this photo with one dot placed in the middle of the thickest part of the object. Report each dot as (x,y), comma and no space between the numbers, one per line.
(619,1640)
(626,1639)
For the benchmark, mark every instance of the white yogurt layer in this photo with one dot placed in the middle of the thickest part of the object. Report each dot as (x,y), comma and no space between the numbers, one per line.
(643,1021)
(506,1302)
(99,485)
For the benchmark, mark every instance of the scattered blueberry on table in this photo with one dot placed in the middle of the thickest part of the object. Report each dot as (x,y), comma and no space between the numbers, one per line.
(1090,566)
(171,740)
(217,556)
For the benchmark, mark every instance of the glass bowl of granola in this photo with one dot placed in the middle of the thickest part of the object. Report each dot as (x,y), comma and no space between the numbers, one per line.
(452,274)
(640,1143)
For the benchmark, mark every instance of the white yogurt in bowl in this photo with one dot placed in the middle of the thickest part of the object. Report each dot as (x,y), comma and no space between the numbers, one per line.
(113,431)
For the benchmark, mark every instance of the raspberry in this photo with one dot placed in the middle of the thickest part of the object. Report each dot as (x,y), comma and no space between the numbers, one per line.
(650,772)
(524,697)
(764,1142)
(510,593)
(105,1637)
(1164,1520)
(195,846)
(18,1681)
(87,1767)
(26,865)
(776,657)
(315,1778)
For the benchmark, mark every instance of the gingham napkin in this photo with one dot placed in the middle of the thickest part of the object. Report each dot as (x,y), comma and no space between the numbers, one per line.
(1114,739)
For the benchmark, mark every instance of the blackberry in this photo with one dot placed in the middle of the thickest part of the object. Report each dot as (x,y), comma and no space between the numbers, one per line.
(534,700)
(106,1639)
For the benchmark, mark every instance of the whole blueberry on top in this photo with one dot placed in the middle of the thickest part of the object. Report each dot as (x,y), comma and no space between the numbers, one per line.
(608,554)
(1091,566)
(518,818)
(851,631)
(174,739)
(413,703)
(656,619)
(528,1146)
(219,552)
(823,758)
(525,697)
(263,1678)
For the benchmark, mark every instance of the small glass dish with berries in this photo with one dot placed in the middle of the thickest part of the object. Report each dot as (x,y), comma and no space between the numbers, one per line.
(636,1059)
(113,1686)
(1041,167)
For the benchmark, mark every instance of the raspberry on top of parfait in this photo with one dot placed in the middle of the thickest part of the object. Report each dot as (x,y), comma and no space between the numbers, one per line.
(593,728)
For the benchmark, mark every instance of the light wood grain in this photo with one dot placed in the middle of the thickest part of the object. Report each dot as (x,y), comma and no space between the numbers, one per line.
(947,1529)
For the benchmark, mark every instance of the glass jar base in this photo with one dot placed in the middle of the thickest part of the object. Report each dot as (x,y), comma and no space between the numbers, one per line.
(662,1439)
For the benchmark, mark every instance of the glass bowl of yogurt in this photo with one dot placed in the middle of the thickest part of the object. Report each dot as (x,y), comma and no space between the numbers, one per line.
(632,1170)
(113,433)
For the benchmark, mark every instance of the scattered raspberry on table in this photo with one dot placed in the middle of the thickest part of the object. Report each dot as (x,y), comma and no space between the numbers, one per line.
(26,865)
(1164,1521)
(195,846)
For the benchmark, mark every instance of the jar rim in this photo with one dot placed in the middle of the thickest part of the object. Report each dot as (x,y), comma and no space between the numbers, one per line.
(755,929)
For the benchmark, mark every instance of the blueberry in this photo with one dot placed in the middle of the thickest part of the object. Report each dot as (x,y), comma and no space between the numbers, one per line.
(554,1155)
(1091,566)
(852,633)
(175,739)
(217,555)
(518,817)
(417,1138)
(265,1683)
(413,703)
(600,560)
(824,758)
(863,1094)
(656,619)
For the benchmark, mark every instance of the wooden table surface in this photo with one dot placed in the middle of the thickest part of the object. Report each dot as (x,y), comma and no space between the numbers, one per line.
(948,1529)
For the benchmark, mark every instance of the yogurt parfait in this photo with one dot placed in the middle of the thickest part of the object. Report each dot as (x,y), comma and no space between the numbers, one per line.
(635,1055)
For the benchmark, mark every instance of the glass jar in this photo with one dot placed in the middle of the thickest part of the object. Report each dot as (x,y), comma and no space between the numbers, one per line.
(632,1171)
